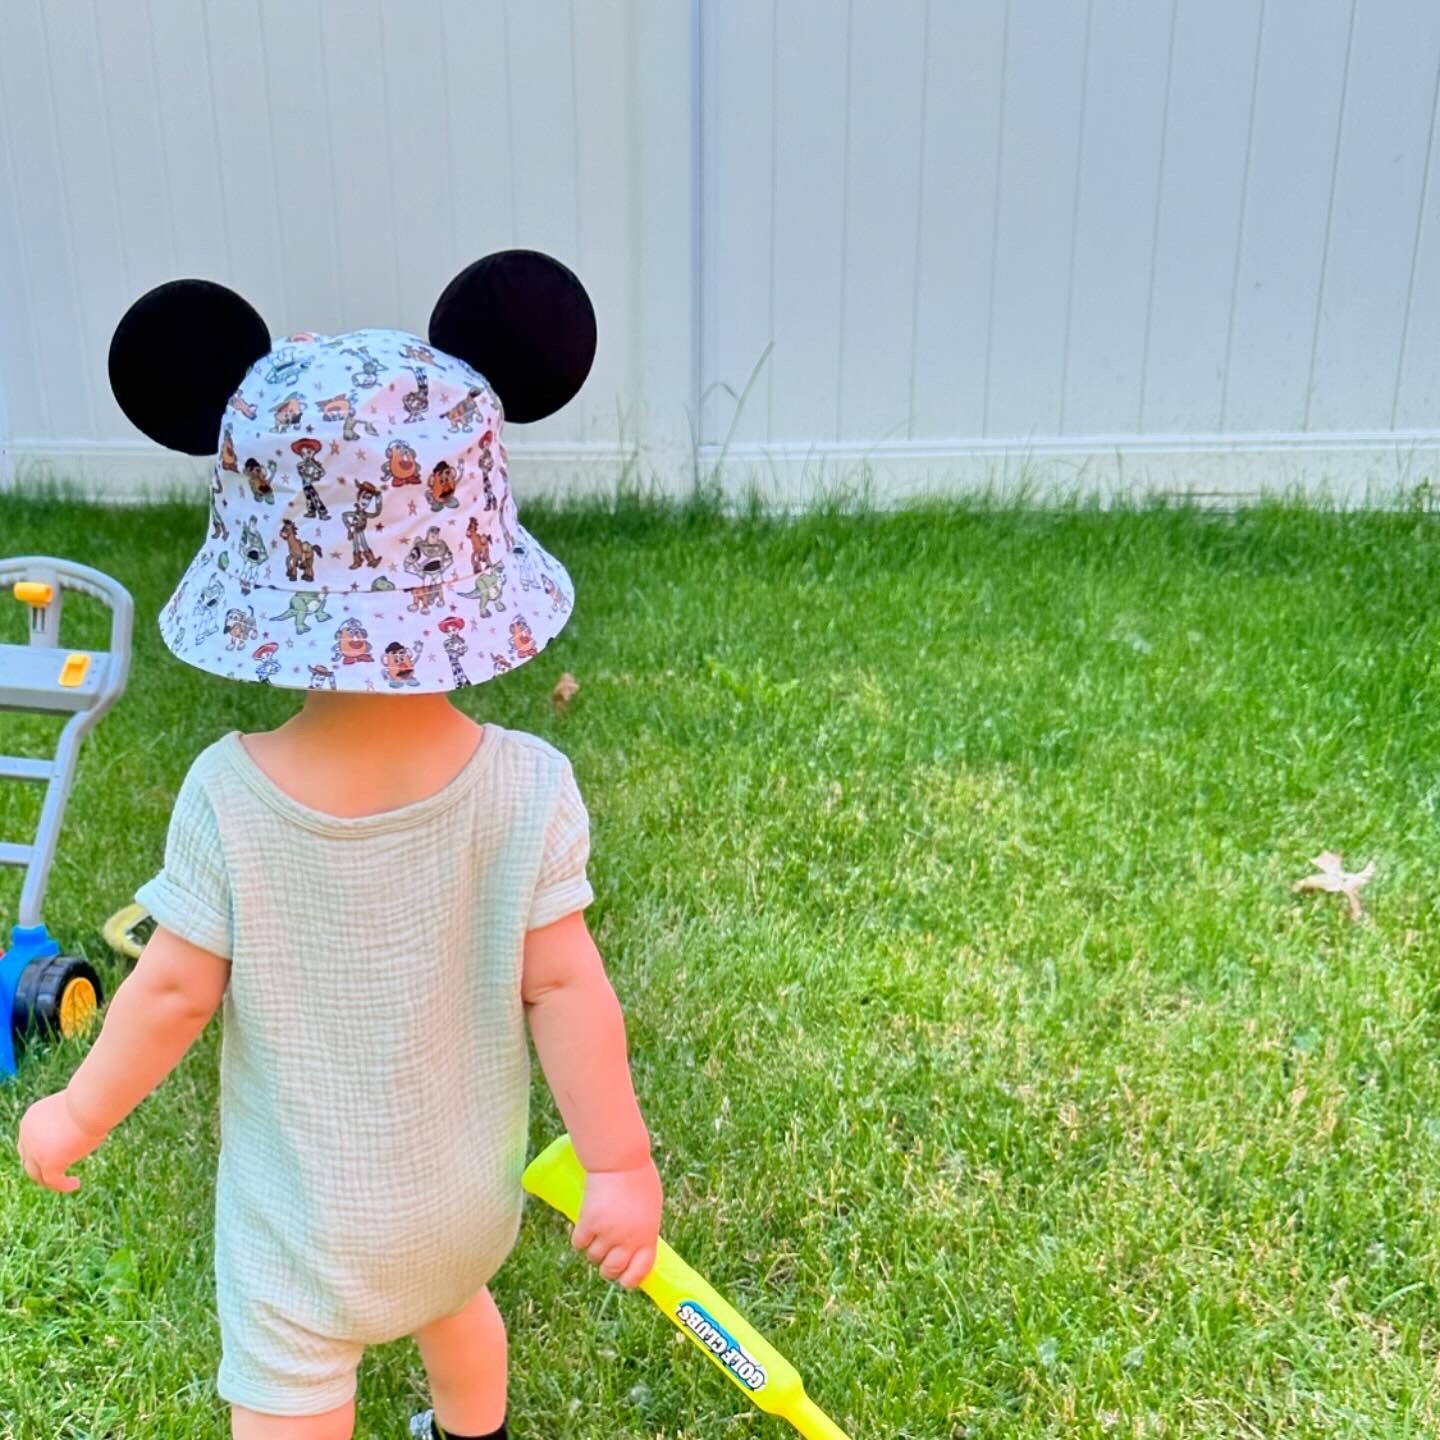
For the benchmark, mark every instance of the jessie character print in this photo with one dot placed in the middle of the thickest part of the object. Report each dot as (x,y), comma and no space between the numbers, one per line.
(487,464)
(311,472)
(455,648)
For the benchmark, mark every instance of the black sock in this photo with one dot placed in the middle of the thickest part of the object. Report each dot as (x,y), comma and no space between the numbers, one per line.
(438,1434)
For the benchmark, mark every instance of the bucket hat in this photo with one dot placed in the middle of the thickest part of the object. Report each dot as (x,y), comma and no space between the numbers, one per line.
(362,535)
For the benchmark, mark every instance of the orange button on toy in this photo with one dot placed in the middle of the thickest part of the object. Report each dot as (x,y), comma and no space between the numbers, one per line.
(72,672)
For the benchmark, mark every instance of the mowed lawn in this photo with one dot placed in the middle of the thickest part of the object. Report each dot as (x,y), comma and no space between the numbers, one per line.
(943,863)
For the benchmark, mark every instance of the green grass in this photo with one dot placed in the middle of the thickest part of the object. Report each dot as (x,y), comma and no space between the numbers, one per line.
(942,861)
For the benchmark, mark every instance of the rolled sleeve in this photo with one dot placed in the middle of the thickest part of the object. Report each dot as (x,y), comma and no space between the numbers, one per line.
(563,885)
(191,894)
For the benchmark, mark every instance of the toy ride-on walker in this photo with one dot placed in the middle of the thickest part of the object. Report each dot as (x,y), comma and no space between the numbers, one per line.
(41,989)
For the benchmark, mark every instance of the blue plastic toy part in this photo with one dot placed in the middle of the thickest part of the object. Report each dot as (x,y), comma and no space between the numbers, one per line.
(28,943)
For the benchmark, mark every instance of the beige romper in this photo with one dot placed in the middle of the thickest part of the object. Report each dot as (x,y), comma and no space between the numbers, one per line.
(375,1072)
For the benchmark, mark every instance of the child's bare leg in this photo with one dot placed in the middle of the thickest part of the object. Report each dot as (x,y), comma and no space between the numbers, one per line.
(465,1361)
(332,1425)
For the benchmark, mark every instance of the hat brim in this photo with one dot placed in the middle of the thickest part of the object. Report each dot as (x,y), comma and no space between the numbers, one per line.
(301,638)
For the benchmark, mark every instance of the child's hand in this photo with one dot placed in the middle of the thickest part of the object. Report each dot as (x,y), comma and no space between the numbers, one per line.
(51,1141)
(620,1222)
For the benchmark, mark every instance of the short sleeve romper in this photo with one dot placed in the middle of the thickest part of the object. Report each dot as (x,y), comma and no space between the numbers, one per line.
(374,1102)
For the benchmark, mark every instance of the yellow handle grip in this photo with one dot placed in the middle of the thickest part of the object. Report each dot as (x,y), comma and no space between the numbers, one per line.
(689,1302)
(33,592)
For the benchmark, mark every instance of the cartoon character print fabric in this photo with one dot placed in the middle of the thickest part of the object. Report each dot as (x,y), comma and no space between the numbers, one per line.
(362,534)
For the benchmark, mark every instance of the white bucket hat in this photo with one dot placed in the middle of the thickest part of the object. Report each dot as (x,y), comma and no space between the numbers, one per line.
(362,533)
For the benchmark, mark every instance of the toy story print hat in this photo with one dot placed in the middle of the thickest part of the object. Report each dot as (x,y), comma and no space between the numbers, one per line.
(362,533)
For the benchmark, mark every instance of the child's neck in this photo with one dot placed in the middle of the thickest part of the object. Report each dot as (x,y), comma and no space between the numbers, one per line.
(362,754)
(359,719)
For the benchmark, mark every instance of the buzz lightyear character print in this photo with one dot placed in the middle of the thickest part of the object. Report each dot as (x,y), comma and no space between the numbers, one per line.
(360,496)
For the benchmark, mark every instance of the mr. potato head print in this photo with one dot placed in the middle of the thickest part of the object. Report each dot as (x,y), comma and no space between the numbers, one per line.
(361,478)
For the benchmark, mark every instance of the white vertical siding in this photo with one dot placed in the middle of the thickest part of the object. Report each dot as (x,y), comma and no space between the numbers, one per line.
(1386,118)
(1207,134)
(947,232)
(964,88)
(1129,51)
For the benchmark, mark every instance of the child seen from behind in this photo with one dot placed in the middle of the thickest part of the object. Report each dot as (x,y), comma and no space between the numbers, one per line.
(381,894)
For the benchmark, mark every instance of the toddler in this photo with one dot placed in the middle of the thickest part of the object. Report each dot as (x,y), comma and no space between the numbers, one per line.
(380,893)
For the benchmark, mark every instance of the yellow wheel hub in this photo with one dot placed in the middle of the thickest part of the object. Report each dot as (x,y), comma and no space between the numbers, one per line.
(78,1004)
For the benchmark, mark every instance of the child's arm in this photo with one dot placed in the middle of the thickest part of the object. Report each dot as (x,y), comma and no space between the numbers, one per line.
(154,1018)
(579,1034)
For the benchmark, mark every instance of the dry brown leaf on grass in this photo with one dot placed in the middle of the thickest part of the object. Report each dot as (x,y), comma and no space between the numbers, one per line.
(1337,880)
(565,688)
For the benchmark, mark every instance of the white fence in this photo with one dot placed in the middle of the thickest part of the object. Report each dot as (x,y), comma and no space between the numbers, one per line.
(1189,242)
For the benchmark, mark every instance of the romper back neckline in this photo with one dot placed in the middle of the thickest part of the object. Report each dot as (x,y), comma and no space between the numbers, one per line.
(414,813)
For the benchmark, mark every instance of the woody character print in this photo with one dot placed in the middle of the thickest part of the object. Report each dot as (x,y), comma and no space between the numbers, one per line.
(368,499)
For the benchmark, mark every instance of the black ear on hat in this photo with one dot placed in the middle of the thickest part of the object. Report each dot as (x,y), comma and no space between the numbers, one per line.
(525,323)
(178,355)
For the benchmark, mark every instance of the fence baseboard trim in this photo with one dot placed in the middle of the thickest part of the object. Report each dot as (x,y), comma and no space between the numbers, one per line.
(1353,468)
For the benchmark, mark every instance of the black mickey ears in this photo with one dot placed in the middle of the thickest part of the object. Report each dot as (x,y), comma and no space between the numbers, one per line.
(518,317)
(525,323)
(178,355)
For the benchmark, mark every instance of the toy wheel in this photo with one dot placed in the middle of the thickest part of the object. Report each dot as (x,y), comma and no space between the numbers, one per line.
(58,996)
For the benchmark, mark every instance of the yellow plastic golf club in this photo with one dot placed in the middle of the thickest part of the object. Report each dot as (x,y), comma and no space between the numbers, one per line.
(117,931)
(556,1176)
